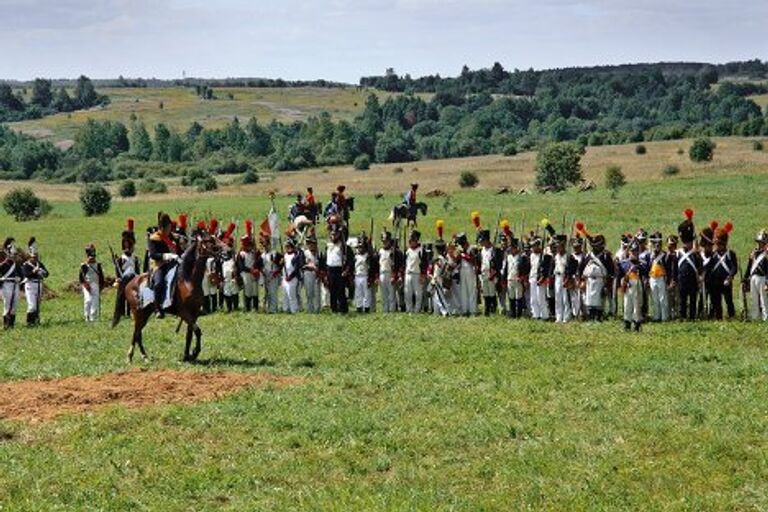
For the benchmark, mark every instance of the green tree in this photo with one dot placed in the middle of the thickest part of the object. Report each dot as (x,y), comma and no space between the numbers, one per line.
(702,150)
(95,200)
(162,136)
(140,142)
(22,204)
(127,189)
(85,93)
(42,94)
(558,165)
(614,179)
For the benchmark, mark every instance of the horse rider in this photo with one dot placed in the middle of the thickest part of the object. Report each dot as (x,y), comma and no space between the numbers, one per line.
(163,254)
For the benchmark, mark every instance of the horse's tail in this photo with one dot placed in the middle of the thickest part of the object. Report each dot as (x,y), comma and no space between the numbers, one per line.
(392,214)
(423,208)
(119,303)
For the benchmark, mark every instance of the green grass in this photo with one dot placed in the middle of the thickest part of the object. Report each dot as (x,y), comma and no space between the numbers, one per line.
(181,107)
(403,413)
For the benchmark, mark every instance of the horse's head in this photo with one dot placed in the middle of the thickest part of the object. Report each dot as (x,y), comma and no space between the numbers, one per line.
(206,244)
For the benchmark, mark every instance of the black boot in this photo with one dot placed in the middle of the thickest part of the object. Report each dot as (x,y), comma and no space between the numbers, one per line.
(367,310)
(627,325)
(6,322)
(214,303)
(13,321)
(236,300)
(206,305)
(247,301)
(256,304)
(359,310)
(30,319)
(637,326)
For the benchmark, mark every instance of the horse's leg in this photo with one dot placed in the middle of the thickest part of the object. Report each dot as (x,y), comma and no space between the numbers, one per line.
(188,342)
(143,317)
(198,340)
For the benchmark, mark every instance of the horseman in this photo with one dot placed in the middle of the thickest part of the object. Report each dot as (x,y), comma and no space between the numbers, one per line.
(163,253)
(310,204)
(297,209)
(409,198)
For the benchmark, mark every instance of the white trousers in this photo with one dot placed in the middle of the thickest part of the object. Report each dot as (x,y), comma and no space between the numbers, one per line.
(372,297)
(467,291)
(290,295)
(388,295)
(33,293)
(312,290)
(759,297)
(575,296)
(562,307)
(539,306)
(414,293)
(440,301)
(250,285)
(659,298)
(633,302)
(10,297)
(208,288)
(361,291)
(271,285)
(91,303)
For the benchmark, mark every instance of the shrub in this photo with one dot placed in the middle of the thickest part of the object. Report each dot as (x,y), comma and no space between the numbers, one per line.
(95,200)
(206,184)
(757,145)
(702,150)
(362,162)
(22,204)
(670,170)
(152,186)
(468,179)
(614,179)
(558,165)
(92,170)
(398,170)
(509,150)
(127,189)
(680,151)
(249,177)
(640,149)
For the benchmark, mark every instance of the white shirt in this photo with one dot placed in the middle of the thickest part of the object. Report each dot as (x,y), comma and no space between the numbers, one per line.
(289,264)
(335,255)
(512,260)
(385,261)
(486,260)
(413,260)
(535,260)
(127,265)
(560,262)
(248,258)
(361,264)
(310,260)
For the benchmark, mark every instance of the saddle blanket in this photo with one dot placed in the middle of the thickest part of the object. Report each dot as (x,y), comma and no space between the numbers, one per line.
(147,294)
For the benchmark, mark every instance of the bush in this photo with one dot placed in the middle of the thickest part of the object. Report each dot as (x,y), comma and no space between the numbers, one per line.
(558,165)
(398,170)
(95,200)
(614,179)
(152,186)
(757,145)
(362,162)
(680,151)
(468,179)
(249,177)
(22,204)
(202,180)
(509,150)
(640,149)
(127,189)
(206,184)
(670,170)
(702,150)
(92,170)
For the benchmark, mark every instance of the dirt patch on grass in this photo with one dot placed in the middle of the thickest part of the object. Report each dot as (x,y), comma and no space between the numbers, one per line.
(37,401)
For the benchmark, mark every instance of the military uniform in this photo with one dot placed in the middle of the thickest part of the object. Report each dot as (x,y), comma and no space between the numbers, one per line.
(661,272)
(633,273)
(561,278)
(335,263)
(756,274)
(516,269)
(490,269)
(597,272)
(466,286)
(10,276)
(391,261)
(575,294)
(538,280)
(92,282)
(272,261)
(362,272)
(312,277)
(34,273)
(724,267)
(230,273)
(689,269)
(414,274)
(249,265)
(292,263)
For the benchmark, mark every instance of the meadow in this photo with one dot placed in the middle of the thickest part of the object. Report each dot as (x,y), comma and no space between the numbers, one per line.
(409,412)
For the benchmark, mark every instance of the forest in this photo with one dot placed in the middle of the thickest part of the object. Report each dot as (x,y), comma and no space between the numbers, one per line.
(479,112)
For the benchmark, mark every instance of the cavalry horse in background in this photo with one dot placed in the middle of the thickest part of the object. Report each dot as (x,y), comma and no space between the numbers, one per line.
(409,212)
(187,296)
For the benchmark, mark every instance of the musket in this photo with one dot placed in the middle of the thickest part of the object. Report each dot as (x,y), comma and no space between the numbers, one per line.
(496,230)
(118,272)
(744,311)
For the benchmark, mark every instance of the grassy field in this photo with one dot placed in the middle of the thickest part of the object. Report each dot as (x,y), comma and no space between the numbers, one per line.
(181,107)
(406,412)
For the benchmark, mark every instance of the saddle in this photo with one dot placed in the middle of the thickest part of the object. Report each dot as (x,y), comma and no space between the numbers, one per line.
(147,294)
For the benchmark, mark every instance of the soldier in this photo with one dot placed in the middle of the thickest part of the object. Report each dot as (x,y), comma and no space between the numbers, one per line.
(439,275)
(249,265)
(312,278)
(292,264)
(633,272)
(335,263)
(516,270)
(466,286)
(724,268)
(362,268)
(755,282)
(672,292)
(561,279)
(707,251)
(92,282)
(490,268)
(128,262)
(10,275)
(34,272)
(211,275)
(230,273)
(415,273)
(572,276)
(272,262)
(689,269)
(538,280)
(164,257)
(597,272)
(389,271)
(661,272)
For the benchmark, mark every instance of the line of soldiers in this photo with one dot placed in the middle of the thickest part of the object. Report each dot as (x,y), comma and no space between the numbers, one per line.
(21,270)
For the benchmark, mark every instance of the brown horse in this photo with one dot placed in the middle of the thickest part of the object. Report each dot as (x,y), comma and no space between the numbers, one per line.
(187,300)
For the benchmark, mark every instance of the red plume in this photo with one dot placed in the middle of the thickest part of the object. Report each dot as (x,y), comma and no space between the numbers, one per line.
(582,229)
(213,225)
(183,221)
(230,229)
(688,213)
(508,231)
(249,227)
(201,225)
(728,227)
(476,219)
(130,224)
(713,225)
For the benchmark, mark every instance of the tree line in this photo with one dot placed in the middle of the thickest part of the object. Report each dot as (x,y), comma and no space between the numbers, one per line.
(45,100)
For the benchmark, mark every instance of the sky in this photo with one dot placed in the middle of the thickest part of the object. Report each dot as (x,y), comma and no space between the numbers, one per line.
(342,40)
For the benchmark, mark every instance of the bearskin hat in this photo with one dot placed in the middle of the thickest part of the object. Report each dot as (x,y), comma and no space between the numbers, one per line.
(722,234)
(686,229)
(415,236)
(483,235)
